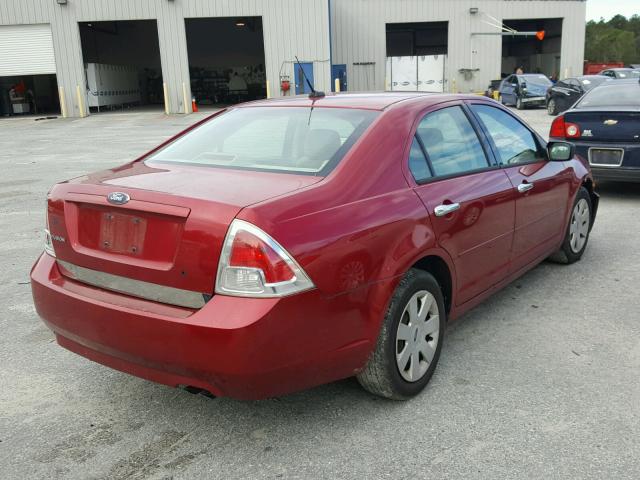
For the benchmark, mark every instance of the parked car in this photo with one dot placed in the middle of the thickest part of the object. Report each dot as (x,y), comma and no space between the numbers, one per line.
(287,243)
(605,127)
(524,90)
(621,73)
(565,93)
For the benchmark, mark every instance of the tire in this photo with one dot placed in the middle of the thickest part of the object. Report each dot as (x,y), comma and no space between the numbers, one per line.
(500,99)
(577,236)
(519,103)
(382,375)
(552,107)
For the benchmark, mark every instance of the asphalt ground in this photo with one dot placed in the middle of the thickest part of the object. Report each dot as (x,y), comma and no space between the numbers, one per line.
(540,381)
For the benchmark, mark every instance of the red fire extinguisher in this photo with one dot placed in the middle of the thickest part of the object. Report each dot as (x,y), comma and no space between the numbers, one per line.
(285,85)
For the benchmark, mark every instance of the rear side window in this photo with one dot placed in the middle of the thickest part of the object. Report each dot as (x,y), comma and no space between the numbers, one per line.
(450,142)
(418,162)
(515,142)
(285,139)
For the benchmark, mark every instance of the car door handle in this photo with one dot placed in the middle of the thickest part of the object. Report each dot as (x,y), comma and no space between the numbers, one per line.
(446,209)
(525,187)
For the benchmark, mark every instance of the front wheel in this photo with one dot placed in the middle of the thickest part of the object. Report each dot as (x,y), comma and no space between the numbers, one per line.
(410,339)
(577,236)
(519,104)
(552,108)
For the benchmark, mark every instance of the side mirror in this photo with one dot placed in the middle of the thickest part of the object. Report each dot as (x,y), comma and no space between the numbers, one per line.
(560,151)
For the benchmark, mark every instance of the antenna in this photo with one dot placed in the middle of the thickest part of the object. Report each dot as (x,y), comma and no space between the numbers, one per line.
(314,93)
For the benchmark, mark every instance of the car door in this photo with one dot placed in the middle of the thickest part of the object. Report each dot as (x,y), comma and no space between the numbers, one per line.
(561,92)
(574,94)
(469,198)
(542,187)
(510,88)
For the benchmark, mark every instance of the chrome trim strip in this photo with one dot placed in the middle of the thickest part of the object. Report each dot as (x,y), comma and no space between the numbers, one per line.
(609,165)
(135,288)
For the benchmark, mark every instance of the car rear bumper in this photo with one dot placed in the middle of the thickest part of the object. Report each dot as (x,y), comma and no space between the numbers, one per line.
(628,171)
(539,100)
(616,174)
(238,347)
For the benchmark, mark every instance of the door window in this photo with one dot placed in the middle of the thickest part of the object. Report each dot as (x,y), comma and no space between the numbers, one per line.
(514,142)
(450,142)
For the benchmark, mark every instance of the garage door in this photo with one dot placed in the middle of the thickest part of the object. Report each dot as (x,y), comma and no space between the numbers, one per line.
(26,50)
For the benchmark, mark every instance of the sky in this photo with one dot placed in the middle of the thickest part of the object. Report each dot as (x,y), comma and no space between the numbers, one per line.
(609,8)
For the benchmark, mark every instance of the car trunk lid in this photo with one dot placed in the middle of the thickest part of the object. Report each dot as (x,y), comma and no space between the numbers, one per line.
(170,236)
(610,126)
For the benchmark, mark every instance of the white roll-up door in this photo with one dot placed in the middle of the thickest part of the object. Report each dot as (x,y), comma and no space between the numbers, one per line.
(26,50)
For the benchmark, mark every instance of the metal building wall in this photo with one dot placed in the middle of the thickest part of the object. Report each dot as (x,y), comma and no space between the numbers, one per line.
(359,35)
(290,27)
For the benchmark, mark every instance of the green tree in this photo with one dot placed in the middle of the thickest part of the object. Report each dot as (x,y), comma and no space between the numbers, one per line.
(617,40)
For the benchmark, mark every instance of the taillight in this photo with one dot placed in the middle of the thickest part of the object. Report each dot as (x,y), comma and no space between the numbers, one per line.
(562,129)
(252,264)
(557,127)
(572,130)
(48,241)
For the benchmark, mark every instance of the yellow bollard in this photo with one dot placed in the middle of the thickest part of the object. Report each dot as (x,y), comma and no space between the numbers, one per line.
(80,104)
(337,84)
(166,98)
(63,106)
(268,89)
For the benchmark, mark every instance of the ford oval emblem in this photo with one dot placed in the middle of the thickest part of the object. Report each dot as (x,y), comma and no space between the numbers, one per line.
(118,198)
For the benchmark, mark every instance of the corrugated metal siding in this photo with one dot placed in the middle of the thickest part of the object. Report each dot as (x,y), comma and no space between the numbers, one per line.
(359,35)
(291,27)
(26,50)
(294,27)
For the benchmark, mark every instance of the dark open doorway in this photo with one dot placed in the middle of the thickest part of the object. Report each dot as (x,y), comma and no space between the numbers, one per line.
(529,52)
(122,62)
(226,59)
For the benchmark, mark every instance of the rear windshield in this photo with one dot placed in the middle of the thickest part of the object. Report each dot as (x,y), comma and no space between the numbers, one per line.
(536,80)
(284,139)
(621,95)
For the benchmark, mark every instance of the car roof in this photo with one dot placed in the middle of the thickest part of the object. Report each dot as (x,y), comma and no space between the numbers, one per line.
(619,69)
(365,100)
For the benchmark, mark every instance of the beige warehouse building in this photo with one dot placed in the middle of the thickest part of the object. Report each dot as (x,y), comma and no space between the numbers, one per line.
(83,56)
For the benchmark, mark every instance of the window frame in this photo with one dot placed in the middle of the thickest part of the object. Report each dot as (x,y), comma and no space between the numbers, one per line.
(542,145)
(486,149)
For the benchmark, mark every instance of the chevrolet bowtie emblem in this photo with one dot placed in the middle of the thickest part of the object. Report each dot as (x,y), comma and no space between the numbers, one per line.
(610,122)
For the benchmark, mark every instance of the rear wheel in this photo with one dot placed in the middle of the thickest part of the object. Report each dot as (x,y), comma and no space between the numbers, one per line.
(500,99)
(552,108)
(577,237)
(410,339)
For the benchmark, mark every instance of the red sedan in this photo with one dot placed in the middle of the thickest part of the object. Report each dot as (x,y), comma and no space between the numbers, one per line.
(283,244)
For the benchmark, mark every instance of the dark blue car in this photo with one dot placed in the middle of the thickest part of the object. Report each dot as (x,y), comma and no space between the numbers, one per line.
(604,125)
(524,90)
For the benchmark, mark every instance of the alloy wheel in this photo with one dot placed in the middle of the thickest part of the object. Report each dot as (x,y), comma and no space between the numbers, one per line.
(417,336)
(579,227)
(551,107)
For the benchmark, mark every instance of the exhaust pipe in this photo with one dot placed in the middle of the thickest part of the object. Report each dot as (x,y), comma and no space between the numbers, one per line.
(197,391)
